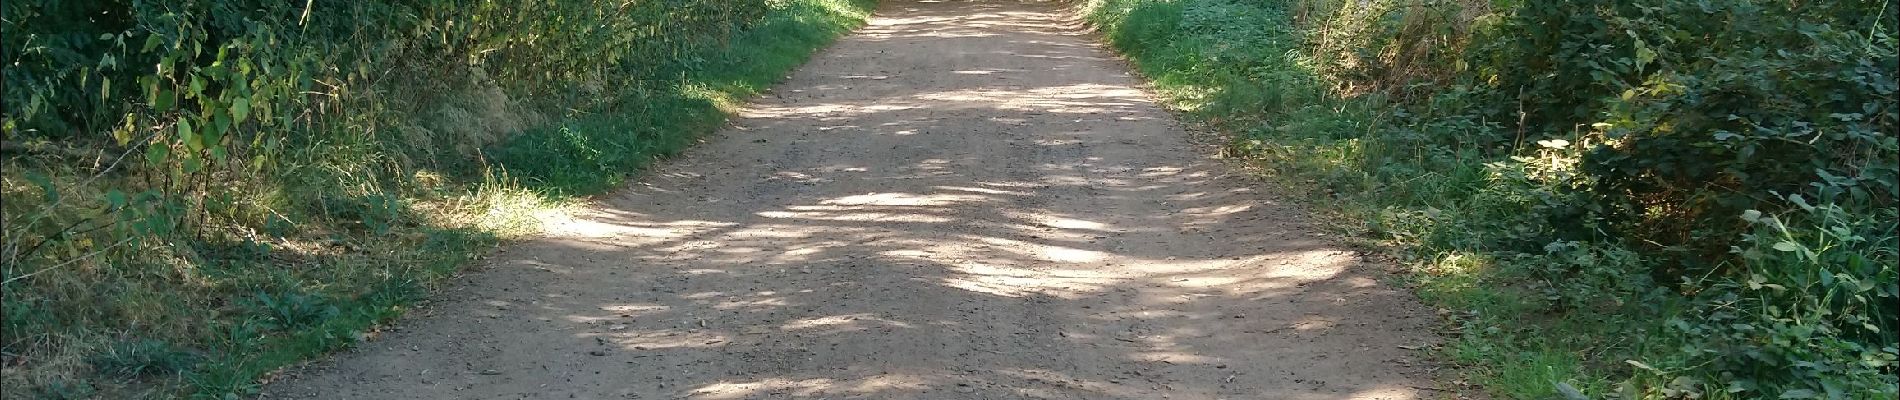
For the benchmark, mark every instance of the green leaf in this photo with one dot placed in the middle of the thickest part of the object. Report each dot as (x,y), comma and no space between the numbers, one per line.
(115,198)
(197,87)
(240,109)
(188,135)
(163,99)
(193,165)
(1787,246)
(157,152)
(1751,216)
(1798,394)
(151,41)
(1800,201)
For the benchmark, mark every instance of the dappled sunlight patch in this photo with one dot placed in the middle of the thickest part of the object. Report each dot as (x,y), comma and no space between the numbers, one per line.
(635,310)
(635,232)
(1173,357)
(1061,380)
(850,214)
(1073,223)
(981,190)
(829,111)
(757,304)
(704,295)
(1014,282)
(982,71)
(1071,255)
(539,265)
(1385,392)
(903,199)
(1457,263)
(1052,253)
(1215,211)
(883,383)
(656,339)
(1206,281)
(844,323)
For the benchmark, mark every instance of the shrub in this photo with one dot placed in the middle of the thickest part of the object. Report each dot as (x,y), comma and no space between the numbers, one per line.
(1652,198)
(180,168)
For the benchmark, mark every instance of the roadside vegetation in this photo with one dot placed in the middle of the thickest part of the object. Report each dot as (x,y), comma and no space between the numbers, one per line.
(1609,198)
(198,193)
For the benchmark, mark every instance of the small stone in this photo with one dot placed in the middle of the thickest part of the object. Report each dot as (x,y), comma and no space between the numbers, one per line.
(490,372)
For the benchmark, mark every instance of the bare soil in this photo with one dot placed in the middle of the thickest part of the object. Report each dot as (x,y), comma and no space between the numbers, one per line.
(962,200)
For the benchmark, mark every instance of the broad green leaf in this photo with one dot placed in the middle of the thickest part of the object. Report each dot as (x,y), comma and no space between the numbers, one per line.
(240,109)
(192,165)
(164,99)
(151,41)
(188,135)
(157,152)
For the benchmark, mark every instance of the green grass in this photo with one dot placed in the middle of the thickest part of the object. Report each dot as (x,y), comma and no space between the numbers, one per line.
(343,237)
(1530,306)
(593,152)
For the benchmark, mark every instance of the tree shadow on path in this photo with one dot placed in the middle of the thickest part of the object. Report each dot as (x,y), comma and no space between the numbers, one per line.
(963,200)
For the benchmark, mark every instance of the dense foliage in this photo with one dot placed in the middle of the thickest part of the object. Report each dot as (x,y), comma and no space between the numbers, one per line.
(1631,198)
(199,192)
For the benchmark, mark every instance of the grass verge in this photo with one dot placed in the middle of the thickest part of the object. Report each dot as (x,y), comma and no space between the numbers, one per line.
(1499,233)
(349,232)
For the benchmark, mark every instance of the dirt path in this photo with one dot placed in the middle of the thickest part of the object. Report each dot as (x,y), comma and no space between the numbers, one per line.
(962,200)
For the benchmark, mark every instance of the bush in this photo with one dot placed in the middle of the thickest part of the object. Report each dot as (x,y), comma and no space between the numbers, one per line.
(1651,198)
(251,179)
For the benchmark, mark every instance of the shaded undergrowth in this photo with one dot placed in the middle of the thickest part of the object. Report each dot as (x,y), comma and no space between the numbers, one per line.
(1634,199)
(238,187)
